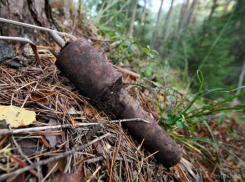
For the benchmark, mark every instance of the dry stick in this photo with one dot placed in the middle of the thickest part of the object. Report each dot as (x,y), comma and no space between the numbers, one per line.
(139,147)
(43,162)
(36,27)
(57,39)
(141,165)
(150,155)
(49,173)
(116,152)
(36,156)
(20,150)
(20,39)
(97,159)
(4,132)
(3,140)
(20,163)
(136,75)
(93,175)
(26,40)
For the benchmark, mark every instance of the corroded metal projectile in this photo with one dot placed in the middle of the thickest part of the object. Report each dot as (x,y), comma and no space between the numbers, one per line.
(96,79)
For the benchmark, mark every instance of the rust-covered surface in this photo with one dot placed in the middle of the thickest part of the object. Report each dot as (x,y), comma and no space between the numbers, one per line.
(96,79)
(117,103)
(156,139)
(91,74)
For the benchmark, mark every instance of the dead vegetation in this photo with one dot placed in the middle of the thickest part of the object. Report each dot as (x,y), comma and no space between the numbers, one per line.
(104,152)
(40,87)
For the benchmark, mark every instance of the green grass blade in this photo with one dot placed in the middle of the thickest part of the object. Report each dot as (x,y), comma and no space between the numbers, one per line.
(201,79)
(198,114)
(200,110)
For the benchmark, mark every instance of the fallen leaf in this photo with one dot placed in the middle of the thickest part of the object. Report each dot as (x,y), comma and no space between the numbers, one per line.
(72,111)
(28,146)
(78,176)
(93,131)
(45,142)
(98,147)
(39,98)
(52,139)
(3,124)
(15,116)
(100,37)
(88,111)
(54,166)
(21,163)
(19,178)
(97,45)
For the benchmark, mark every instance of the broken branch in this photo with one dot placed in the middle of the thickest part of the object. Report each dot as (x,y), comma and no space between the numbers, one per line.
(44,162)
(4,132)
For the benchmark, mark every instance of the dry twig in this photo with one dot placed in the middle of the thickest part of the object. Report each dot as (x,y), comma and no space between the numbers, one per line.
(4,132)
(43,162)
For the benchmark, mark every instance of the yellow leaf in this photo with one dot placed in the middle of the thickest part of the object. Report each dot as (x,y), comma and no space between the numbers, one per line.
(15,116)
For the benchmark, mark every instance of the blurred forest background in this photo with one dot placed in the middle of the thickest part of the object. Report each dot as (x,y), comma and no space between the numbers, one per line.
(190,55)
(189,35)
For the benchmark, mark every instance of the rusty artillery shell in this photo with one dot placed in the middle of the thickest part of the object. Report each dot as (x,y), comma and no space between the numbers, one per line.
(91,74)
(96,79)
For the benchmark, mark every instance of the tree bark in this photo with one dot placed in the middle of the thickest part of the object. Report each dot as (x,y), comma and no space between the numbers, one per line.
(226,6)
(182,19)
(213,9)
(163,37)
(80,3)
(241,77)
(131,28)
(29,11)
(118,11)
(191,13)
(157,23)
(183,13)
(142,20)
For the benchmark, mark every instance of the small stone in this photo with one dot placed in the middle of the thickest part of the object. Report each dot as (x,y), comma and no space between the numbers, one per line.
(6,51)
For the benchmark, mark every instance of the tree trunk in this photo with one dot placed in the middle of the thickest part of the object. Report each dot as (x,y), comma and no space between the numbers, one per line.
(118,11)
(241,76)
(226,6)
(157,23)
(213,9)
(182,19)
(163,37)
(131,28)
(142,20)
(191,13)
(80,4)
(206,23)
(28,11)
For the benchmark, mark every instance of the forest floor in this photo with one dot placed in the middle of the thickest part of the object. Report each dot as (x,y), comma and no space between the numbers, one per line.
(107,153)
